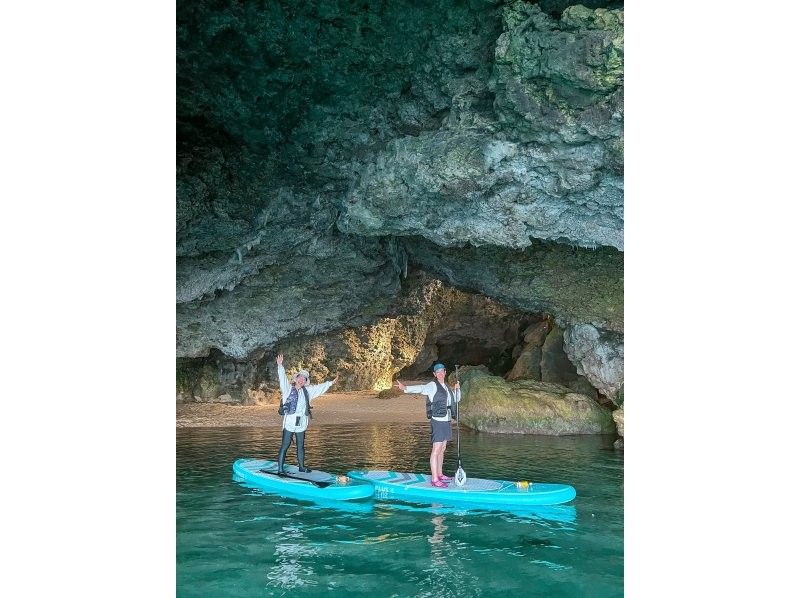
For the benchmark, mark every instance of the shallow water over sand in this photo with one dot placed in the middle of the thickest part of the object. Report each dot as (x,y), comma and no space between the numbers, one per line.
(236,541)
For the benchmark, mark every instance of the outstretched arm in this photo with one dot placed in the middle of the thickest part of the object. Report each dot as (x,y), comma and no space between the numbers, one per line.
(316,390)
(414,389)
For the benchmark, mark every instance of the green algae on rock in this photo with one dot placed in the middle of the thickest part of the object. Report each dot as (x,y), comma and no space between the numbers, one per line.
(491,404)
(327,150)
(575,285)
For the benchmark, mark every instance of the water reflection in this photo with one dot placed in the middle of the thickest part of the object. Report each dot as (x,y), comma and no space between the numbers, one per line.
(236,541)
(446,575)
(537,513)
(439,571)
(293,567)
(390,447)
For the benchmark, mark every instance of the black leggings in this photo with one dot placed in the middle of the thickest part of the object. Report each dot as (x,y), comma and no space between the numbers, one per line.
(286,442)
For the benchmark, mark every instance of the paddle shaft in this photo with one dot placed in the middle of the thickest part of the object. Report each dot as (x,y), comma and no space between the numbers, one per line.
(461,475)
(458,427)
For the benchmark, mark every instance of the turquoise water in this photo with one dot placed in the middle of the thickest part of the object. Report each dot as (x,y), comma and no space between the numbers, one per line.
(237,541)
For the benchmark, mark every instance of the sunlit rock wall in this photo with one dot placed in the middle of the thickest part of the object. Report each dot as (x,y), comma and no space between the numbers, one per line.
(326,149)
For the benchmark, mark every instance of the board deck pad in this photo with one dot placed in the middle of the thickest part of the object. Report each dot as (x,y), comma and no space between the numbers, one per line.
(424,481)
(292,471)
(476,491)
(263,474)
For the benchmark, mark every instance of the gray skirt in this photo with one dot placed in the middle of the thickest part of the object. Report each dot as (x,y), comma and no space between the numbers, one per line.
(441,431)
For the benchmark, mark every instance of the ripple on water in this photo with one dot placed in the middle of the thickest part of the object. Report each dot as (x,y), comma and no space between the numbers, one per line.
(235,541)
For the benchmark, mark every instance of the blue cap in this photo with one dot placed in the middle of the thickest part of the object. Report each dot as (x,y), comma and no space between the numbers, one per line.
(437,367)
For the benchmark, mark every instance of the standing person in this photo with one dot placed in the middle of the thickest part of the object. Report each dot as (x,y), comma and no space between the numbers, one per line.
(441,400)
(296,410)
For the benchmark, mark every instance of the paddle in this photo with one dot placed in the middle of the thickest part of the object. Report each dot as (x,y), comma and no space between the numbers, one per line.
(296,477)
(461,475)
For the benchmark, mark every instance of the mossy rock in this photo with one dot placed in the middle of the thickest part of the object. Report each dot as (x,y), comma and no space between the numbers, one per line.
(490,404)
(390,393)
(187,373)
(619,419)
(207,387)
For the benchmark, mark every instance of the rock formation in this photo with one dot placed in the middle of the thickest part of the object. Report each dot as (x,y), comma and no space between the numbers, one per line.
(330,152)
(491,404)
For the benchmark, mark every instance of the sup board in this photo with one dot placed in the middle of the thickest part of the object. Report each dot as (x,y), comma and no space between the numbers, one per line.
(477,492)
(559,513)
(263,474)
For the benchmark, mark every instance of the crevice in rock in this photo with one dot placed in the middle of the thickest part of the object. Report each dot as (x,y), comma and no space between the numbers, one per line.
(328,152)
(428,322)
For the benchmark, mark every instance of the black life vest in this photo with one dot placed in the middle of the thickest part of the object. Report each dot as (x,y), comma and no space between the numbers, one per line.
(438,406)
(292,400)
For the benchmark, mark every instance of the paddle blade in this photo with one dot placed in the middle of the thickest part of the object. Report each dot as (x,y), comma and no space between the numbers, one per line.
(461,477)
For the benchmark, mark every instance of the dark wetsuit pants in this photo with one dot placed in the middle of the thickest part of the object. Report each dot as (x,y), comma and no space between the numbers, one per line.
(286,442)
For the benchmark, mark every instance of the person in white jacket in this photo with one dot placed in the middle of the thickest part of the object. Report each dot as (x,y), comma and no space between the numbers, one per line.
(296,410)
(442,399)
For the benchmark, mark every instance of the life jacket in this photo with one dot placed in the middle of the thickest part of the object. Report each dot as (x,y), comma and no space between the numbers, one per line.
(438,406)
(292,399)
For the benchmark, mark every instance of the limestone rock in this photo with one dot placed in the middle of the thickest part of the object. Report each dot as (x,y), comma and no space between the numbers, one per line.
(546,163)
(208,387)
(598,355)
(549,362)
(575,285)
(454,188)
(326,151)
(473,330)
(323,286)
(556,366)
(537,332)
(583,386)
(561,80)
(429,322)
(528,364)
(619,419)
(490,404)
(528,356)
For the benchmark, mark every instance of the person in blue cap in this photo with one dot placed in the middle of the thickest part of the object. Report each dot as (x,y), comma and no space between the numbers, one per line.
(296,411)
(441,400)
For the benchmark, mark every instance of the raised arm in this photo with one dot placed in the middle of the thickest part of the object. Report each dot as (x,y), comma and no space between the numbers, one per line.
(282,379)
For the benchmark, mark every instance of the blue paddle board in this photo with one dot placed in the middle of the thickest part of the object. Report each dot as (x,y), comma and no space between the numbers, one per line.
(565,514)
(263,474)
(477,492)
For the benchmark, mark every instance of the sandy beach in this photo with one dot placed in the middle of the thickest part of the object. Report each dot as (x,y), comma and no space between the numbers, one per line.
(331,408)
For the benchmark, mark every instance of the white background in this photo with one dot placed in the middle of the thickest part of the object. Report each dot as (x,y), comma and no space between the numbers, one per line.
(87,227)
